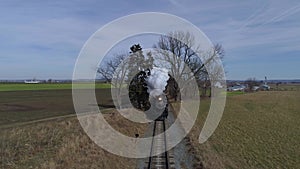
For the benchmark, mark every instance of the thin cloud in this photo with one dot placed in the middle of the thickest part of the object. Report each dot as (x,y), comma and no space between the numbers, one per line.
(284,14)
(41,33)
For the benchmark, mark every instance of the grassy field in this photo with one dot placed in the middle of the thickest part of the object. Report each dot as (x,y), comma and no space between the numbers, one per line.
(285,87)
(43,86)
(61,144)
(27,105)
(257,130)
(57,143)
(235,93)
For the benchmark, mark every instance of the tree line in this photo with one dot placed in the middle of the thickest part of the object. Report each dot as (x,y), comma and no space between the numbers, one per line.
(178,53)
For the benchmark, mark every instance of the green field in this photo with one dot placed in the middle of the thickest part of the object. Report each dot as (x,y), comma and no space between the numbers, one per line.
(43,86)
(235,93)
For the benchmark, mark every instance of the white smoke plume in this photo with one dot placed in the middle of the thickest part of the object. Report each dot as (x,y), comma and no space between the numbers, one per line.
(157,81)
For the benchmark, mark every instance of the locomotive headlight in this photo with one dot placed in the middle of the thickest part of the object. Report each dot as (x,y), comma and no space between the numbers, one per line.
(159,99)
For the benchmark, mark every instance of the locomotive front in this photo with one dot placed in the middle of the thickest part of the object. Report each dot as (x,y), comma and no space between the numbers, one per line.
(159,105)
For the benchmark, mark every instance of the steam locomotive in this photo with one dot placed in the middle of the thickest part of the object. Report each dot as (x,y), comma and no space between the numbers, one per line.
(159,106)
(153,103)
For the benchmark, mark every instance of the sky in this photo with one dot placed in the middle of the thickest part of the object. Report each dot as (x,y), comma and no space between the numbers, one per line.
(42,39)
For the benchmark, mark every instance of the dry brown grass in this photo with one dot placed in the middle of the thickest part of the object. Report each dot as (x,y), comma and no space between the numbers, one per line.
(257,130)
(61,144)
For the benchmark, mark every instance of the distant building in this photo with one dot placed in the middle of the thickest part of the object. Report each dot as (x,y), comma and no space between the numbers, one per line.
(237,87)
(33,81)
(265,86)
(218,85)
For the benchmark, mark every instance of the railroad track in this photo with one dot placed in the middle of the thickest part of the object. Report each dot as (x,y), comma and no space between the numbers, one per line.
(166,159)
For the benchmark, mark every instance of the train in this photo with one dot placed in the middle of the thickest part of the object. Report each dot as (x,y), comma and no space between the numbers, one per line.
(159,105)
(153,101)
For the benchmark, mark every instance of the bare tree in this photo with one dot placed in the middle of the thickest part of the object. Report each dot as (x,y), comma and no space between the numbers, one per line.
(123,70)
(108,69)
(139,69)
(251,82)
(114,71)
(179,53)
(138,61)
